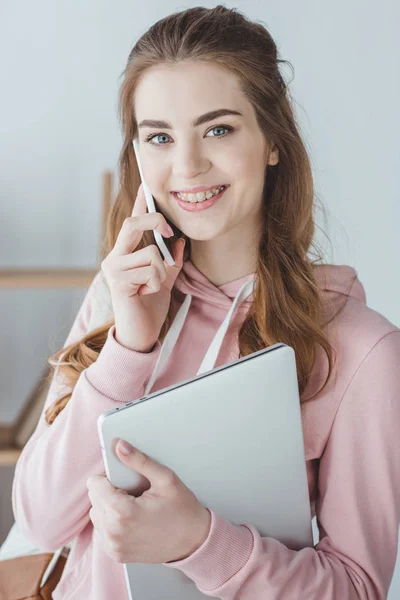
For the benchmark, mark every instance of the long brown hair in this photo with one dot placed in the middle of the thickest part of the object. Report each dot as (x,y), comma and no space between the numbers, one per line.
(287,305)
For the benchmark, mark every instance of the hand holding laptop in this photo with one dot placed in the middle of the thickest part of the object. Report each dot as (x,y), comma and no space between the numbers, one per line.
(166,523)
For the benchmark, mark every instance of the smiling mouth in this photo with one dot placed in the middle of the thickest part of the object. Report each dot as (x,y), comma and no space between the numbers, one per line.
(205,193)
(201,205)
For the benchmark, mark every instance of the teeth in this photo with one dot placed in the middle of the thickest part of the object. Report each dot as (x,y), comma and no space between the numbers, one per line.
(201,196)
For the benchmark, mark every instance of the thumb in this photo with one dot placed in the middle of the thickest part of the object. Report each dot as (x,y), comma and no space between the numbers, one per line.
(142,463)
(173,270)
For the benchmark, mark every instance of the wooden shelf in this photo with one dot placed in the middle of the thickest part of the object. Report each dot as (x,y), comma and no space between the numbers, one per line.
(46,278)
(9,456)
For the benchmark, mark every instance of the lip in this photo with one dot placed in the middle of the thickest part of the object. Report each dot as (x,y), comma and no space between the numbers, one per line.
(198,206)
(198,188)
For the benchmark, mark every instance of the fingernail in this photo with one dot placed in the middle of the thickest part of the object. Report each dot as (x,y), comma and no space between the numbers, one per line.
(125,447)
(170,230)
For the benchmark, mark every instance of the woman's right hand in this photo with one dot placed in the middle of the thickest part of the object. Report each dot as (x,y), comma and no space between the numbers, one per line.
(140,282)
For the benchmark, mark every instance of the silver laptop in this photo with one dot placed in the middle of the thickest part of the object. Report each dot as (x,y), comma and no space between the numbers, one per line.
(234,436)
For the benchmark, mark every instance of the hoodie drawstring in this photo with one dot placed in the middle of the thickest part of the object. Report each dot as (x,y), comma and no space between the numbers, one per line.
(215,346)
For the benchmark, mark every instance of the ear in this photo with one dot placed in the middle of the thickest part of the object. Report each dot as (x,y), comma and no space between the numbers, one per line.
(273,156)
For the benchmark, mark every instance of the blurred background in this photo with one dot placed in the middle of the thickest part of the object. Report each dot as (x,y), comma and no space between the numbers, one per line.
(60,138)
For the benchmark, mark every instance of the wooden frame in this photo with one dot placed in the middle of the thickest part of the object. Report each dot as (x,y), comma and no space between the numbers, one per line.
(45,278)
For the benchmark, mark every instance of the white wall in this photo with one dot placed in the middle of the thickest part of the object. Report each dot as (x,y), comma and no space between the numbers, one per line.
(61,63)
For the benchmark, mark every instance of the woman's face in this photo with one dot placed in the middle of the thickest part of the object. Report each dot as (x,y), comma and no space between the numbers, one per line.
(227,150)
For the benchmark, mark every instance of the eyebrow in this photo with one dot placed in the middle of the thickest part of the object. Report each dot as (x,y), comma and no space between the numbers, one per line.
(210,116)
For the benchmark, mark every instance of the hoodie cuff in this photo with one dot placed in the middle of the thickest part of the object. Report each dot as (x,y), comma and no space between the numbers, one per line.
(226,550)
(121,373)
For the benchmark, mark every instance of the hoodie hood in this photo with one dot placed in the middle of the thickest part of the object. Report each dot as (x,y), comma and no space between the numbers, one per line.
(336,279)
(340,279)
(331,279)
(191,281)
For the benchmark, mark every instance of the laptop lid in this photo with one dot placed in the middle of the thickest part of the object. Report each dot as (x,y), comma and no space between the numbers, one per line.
(234,436)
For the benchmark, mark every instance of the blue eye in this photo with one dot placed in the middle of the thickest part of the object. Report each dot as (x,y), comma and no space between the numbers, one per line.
(228,128)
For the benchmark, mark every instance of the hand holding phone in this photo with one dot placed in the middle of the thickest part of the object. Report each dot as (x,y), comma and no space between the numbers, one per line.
(140,282)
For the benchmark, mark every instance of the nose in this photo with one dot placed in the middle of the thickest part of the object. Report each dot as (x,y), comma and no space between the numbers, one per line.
(189,162)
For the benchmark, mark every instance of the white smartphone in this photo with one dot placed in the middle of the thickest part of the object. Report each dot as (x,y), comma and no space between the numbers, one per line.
(151,208)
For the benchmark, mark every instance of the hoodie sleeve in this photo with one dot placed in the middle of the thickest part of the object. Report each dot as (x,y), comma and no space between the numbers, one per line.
(357,508)
(49,494)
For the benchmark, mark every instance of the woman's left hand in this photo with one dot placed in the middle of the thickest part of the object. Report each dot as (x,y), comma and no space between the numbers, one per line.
(166,523)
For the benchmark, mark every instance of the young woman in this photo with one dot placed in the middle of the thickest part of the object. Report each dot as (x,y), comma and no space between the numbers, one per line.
(213,78)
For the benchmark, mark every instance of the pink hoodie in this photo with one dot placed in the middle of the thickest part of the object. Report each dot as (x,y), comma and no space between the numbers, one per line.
(352,447)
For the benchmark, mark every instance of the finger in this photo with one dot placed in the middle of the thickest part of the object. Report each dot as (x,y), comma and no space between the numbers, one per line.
(99,486)
(140,204)
(133,281)
(94,517)
(132,230)
(123,244)
(173,270)
(157,473)
(140,208)
(150,255)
